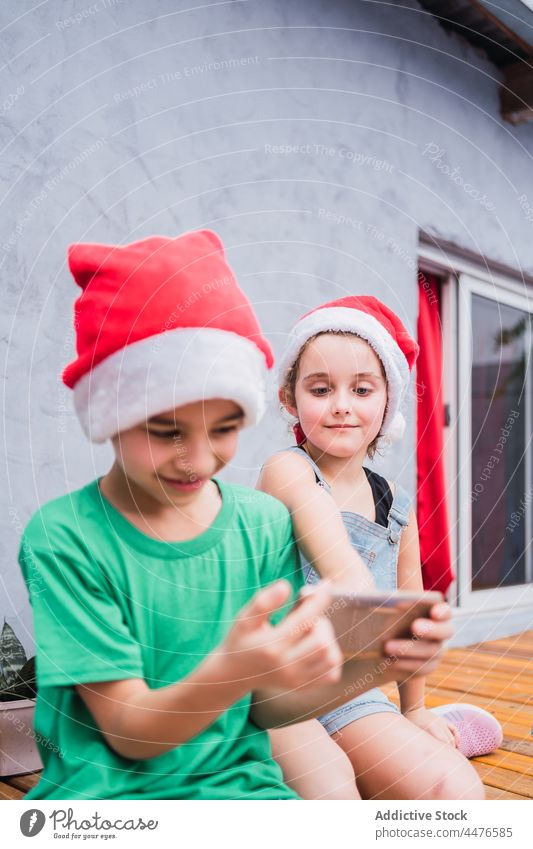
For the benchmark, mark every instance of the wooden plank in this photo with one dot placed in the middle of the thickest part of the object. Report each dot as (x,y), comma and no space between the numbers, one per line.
(505,779)
(483,686)
(520,635)
(520,764)
(515,653)
(522,747)
(485,654)
(478,665)
(526,634)
(484,649)
(515,732)
(498,793)
(496,706)
(480,657)
(24,782)
(8,792)
(488,663)
(511,654)
(490,692)
(483,659)
(519,638)
(511,645)
(524,638)
(505,687)
(510,682)
(494,645)
(513,711)
(498,676)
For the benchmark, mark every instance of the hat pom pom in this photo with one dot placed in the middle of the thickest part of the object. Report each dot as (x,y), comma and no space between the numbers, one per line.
(299,434)
(396,428)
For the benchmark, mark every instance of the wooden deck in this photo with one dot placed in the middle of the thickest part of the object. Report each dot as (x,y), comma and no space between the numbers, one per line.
(497,676)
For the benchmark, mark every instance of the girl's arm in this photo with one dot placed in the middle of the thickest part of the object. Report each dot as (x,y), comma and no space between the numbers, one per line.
(317,522)
(410,578)
(412,690)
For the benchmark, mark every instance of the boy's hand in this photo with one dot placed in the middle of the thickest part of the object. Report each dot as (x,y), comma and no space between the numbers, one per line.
(423,653)
(301,651)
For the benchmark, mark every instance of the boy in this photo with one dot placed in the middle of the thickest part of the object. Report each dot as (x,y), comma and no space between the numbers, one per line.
(157,663)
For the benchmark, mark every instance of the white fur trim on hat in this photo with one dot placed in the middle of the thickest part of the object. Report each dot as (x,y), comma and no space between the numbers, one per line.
(169,370)
(370,329)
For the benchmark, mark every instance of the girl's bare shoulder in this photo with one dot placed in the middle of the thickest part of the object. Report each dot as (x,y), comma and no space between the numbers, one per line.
(285,469)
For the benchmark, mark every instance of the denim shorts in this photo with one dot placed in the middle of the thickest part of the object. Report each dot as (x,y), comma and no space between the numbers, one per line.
(373,701)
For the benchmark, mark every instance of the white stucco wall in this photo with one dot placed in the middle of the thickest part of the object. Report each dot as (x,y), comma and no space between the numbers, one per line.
(316,137)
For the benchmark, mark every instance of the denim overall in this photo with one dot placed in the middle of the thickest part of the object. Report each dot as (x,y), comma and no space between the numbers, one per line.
(379,548)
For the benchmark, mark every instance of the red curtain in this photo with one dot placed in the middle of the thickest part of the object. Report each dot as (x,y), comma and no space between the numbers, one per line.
(431,487)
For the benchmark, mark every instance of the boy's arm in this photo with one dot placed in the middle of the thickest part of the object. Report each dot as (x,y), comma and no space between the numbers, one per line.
(317,523)
(275,708)
(272,708)
(140,723)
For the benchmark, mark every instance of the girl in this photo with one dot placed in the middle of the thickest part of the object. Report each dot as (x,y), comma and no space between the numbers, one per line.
(343,377)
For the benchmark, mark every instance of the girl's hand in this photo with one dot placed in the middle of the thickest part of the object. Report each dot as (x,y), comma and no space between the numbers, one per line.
(423,652)
(435,725)
(300,651)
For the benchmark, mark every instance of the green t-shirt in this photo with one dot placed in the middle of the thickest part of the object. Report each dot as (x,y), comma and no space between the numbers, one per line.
(110,602)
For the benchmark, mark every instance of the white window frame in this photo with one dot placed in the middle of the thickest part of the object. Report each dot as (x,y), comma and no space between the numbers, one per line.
(461,277)
(449,397)
(499,596)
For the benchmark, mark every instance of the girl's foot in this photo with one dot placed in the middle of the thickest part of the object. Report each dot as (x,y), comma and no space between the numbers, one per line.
(479,731)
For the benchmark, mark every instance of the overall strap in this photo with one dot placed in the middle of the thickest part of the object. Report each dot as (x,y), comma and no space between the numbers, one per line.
(318,474)
(399,513)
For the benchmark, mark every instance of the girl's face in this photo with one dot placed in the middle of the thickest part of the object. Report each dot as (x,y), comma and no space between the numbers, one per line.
(340,394)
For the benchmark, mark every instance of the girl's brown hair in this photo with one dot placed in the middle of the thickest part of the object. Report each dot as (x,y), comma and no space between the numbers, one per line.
(289,384)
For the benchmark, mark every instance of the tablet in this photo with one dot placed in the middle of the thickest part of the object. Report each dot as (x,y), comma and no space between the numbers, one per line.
(363,623)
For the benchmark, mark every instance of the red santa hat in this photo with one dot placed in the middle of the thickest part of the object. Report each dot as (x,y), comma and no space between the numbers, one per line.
(370,319)
(161,323)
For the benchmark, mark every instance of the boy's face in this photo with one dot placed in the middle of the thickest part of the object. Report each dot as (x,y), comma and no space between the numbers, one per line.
(174,454)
